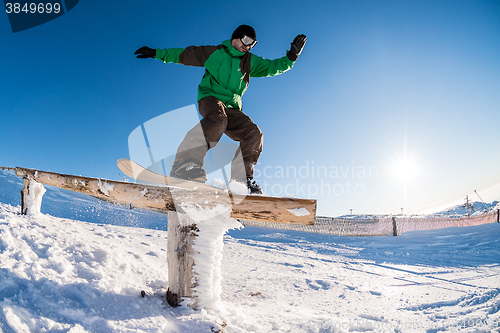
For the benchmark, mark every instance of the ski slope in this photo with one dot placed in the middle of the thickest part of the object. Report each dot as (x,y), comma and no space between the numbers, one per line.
(81,265)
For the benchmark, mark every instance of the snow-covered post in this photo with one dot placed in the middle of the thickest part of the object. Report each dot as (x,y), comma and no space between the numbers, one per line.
(181,232)
(194,252)
(31,197)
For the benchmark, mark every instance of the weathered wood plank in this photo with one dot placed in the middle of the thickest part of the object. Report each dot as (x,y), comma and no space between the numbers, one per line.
(164,199)
(114,191)
(274,209)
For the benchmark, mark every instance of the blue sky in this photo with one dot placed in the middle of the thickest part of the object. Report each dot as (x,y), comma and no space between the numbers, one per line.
(393,104)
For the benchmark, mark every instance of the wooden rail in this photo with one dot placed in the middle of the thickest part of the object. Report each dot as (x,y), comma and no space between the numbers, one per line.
(163,198)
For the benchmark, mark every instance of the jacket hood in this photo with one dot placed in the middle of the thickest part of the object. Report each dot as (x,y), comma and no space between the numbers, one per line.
(234,52)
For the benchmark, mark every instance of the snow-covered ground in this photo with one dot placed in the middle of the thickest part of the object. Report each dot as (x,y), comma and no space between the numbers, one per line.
(82,264)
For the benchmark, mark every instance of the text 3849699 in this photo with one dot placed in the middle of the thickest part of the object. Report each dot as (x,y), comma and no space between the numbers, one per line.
(32,8)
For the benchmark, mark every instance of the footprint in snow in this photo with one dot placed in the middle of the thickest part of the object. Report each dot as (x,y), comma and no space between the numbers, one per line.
(318,284)
(135,255)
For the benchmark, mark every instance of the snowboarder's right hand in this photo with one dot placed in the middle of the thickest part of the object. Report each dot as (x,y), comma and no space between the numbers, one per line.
(145,52)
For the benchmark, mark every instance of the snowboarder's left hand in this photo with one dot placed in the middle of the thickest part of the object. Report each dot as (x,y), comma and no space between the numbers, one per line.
(146,52)
(297,47)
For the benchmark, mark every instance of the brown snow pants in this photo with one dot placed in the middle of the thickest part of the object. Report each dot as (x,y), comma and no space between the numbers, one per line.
(217,120)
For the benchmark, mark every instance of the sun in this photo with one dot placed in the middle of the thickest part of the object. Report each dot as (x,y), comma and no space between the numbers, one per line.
(405,169)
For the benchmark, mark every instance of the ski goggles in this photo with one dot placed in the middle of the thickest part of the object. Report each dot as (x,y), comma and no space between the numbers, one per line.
(248,41)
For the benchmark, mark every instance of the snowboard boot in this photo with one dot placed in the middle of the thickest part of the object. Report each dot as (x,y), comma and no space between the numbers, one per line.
(189,170)
(253,187)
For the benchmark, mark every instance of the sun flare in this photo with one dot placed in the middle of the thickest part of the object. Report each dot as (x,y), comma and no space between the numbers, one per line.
(405,169)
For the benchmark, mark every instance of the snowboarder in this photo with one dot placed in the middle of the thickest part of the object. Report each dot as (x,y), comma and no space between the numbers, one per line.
(228,69)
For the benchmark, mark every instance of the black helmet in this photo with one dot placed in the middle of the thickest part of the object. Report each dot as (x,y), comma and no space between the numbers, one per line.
(244,30)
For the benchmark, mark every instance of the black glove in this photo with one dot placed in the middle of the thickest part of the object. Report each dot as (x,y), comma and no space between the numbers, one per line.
(145,52)
(296,48)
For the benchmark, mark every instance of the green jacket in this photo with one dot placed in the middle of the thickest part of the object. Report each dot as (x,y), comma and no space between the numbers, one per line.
(228,71)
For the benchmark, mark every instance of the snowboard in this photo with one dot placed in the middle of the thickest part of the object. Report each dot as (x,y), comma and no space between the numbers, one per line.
(138,172)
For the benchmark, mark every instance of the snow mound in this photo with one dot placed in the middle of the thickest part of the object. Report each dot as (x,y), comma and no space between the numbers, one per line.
(60,275)
(474,208)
